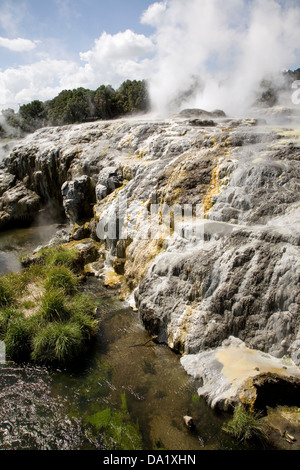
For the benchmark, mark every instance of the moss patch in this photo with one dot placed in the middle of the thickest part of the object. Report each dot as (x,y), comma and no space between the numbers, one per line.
(117,429)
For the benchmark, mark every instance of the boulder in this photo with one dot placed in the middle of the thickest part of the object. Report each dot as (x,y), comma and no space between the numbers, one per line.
(234,374)
(18,205)
(78,198)
(108,180)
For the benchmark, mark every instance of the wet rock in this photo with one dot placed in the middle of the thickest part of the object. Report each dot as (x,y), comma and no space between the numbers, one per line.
(80,232)
(233,374)
(101,192)
(202,123)
(78,198)
(235,271)
(95,268)
(108,180)
(88,250)
(18,205)
(7,181)
(188,421)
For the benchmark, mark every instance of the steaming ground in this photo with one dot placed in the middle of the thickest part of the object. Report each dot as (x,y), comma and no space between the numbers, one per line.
(197,54)
(210,56)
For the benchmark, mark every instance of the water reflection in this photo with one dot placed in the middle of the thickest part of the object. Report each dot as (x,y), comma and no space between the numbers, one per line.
(14,243)
(9,262)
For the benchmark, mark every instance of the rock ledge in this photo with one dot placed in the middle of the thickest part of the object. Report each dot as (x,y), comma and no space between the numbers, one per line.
(235,374)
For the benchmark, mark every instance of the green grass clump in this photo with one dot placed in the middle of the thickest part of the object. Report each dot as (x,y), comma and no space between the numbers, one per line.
(32,273)
(7,293)
(60,256)
(53,305)
(17,339)
(59,321)
(87,324)
(57,343)
(61,277)
(81,310)
(245,425)
(7,315)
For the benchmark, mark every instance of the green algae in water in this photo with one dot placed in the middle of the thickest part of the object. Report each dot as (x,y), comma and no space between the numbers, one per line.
(89,394)
(116,427)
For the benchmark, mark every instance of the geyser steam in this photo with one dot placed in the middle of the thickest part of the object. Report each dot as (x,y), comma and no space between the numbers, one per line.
(214,54)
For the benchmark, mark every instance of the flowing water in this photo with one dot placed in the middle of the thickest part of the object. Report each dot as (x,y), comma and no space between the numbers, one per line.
(127,393)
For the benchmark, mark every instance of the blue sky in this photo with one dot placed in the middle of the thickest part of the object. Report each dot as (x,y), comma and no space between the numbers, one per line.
(66,27)
(55,33)
(50,45)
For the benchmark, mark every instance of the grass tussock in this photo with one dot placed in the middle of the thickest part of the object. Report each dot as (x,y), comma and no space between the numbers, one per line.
(53,305)
(7,292)
(61,277)
(246,425)
(59,256)
(57,342)
(43,317)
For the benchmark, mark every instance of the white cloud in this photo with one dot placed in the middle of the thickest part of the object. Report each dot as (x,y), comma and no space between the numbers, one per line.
(117,57)
(18,45)
(113,59)
(121,46)
(154,13)
(41,80)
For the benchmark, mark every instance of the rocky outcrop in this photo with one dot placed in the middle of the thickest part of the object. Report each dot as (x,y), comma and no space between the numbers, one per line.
(18,204)
(78,198)
(232,374)
(197,216)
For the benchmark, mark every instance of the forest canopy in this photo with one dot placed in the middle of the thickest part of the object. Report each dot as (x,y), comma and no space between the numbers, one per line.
(75,106)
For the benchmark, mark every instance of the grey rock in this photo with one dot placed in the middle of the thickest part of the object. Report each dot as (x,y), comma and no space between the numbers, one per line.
(77,198)
(233,374)
(7,181)
(18,205)
(101,192)
(81,232)
(236,272)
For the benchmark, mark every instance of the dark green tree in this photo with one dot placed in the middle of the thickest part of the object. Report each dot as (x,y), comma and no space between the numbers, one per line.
(80,107)
(33,115)
(132,96)
(71,106)
(105,102)
(58,106)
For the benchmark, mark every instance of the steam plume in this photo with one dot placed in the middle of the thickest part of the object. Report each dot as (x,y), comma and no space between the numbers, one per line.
(214,54)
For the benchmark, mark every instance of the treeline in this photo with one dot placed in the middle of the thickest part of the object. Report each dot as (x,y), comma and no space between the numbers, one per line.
(75,106)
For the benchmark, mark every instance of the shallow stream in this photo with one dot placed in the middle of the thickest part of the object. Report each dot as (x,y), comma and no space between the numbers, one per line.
(127,393)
